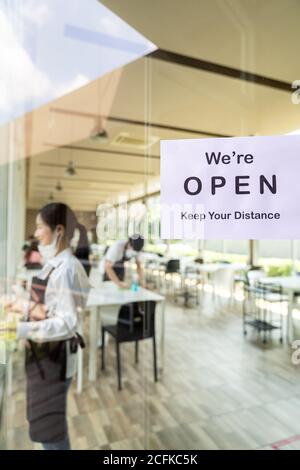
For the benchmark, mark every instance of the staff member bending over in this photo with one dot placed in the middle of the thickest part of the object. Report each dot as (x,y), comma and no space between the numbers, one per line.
(58,293)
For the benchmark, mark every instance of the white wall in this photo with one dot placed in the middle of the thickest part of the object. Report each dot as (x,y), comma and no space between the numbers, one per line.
(16,202)
(12,199)
(4,148)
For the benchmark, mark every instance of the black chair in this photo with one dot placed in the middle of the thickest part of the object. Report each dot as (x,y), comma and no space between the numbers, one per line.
(189,285)
(136,322)
(172,267)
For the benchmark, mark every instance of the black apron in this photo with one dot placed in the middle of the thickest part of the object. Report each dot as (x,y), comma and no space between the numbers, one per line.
(118,268)
(46,381)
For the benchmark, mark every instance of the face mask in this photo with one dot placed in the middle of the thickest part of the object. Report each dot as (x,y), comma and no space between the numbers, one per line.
(48,252)
(130,253)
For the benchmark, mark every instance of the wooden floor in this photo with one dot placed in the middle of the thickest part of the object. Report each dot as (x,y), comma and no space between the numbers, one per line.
(218,391)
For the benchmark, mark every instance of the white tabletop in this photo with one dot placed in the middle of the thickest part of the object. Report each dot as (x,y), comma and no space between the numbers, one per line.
(288,283)
(110,294)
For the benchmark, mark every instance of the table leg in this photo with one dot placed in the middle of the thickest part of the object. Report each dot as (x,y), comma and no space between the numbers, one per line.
(94,313)
(162,335)
(290,329)
(206,281)
(80,358)
(2,352)
(9,373)
(79,370)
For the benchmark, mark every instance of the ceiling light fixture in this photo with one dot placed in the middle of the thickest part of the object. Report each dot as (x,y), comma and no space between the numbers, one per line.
(70,170)
(58,186)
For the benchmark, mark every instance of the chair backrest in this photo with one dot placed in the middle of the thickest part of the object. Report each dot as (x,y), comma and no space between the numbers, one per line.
(173,266)
(253,275)
(269,288)
(138,317)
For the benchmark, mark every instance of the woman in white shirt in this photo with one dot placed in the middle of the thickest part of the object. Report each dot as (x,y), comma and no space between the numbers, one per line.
(116,256)
(58,293)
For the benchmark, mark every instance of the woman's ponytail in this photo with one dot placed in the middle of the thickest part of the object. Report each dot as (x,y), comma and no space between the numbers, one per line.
(58,213)
(82,251)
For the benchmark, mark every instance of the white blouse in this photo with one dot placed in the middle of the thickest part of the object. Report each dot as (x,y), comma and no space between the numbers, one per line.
(66,295)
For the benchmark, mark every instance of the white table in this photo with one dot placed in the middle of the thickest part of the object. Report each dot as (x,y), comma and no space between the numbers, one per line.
(108,294)
(26,276)
(290,285)
(209,269)
(213,267)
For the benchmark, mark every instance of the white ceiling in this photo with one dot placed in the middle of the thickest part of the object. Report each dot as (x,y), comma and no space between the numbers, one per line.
(260,36)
